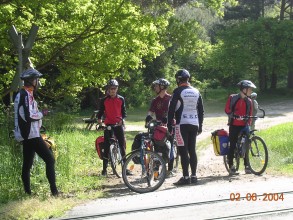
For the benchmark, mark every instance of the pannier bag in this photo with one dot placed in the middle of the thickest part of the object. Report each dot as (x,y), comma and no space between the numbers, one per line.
(137,144)
(160,135)
(220,139)
(100,146)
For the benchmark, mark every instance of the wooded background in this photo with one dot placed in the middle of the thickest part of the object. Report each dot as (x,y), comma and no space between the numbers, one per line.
(81,44)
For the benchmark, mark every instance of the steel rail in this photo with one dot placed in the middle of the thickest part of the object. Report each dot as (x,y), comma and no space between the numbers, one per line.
(106,214)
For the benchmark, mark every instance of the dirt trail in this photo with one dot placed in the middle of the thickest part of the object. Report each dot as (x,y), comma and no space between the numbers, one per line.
(211,167)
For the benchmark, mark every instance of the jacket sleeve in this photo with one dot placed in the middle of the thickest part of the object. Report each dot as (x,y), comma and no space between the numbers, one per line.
(228,110)
(171,110)
(101,108)
(123,109)
(200,110)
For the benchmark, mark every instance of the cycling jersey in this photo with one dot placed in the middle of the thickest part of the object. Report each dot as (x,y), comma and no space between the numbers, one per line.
(27,116)
(159,106)
(113,109)
(186,104)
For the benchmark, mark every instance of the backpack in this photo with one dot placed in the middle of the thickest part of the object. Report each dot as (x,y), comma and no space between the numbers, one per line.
(160,135)
(234,99)
(100,146)
(220,139)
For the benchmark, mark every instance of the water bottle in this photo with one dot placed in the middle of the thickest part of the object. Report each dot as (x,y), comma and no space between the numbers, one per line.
(243,150)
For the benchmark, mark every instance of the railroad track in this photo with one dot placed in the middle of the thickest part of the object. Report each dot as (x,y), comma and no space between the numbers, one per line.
(148,210)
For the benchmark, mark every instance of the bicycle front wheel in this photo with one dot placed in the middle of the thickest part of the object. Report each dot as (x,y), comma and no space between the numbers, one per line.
(116,159)
(257,155)
(148,171)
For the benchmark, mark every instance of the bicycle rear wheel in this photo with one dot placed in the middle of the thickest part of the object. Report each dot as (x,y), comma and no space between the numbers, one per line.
(236,162)
(116,159)
(148,171)
(257,155)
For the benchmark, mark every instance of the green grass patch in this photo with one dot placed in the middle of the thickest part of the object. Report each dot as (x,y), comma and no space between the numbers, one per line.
(279,141)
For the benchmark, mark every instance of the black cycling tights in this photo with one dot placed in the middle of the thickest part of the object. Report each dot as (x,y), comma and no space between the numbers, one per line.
(30,147)
(119,134)
(187,152)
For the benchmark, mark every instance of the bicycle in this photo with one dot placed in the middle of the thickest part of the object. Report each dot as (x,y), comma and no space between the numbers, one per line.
(148,168)
(252,147)
(115,157)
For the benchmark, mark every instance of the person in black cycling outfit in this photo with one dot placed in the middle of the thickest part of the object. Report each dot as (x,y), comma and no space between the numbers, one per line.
(112,108)
(187,106)
(28,120)
(240,105)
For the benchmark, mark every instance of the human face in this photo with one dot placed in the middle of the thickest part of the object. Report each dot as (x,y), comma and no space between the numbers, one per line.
(113,91)
(157,88)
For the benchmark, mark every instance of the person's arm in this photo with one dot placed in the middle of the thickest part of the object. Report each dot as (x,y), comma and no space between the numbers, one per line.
(200,112)
(171,110)
(101,110)
(228,110)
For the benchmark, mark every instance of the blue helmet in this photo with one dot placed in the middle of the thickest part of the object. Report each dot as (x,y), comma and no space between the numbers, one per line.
(182,74)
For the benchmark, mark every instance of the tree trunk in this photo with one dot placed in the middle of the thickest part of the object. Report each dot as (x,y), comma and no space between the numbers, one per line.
(262,78)
(290,77)
(274,79)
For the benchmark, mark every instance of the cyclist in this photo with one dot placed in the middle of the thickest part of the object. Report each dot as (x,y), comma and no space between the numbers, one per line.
(159,108)
(240,105)
(187,106)
(28,120)
(112,108)
(254,109)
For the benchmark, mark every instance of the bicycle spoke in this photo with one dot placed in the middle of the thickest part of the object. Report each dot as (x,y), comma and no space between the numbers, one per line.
(144,178)
(258,155)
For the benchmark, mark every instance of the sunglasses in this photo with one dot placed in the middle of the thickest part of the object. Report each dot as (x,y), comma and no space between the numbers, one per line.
(113,88)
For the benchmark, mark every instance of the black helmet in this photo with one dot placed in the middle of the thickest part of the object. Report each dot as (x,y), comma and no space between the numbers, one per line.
(30,74)
(246,84)
(112,82)
(161,82)
(182,74)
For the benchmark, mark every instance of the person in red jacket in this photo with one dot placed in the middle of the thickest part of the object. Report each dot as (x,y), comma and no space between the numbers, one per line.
(238,105)
(112,108)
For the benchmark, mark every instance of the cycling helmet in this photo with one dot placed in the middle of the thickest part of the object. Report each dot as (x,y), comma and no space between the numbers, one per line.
(182,74)
(112,82)
(30,74)
(253,95)
(246,84)
(161,82)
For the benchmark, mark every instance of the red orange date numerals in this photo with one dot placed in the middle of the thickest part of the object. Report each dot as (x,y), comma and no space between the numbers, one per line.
(254,197)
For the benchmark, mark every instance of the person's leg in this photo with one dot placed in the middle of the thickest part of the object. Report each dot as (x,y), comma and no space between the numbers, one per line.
(233,136)
(191,148)
(28,158)
(119,133)
(107,135)
(43,151)
(183,149)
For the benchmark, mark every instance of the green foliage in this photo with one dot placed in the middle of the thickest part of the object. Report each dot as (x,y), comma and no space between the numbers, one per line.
(247,46)
(280,144)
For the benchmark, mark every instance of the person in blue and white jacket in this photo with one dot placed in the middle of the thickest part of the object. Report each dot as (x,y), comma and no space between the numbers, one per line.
(187,107)
(28,120)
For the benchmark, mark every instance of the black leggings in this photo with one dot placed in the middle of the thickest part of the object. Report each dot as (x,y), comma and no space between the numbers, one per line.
(30,147)
(233,137)
(119,134)
(187,152)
